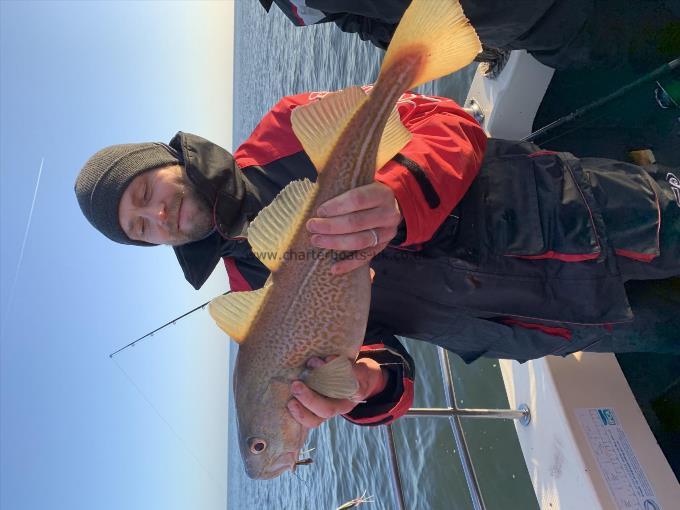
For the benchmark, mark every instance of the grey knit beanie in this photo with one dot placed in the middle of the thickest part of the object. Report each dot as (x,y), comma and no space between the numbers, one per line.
(102,181)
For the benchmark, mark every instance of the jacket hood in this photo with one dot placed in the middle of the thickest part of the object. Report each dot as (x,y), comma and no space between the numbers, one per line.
(215,174)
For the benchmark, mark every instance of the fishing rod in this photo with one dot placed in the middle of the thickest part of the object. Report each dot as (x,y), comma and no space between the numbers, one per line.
(185,444)
(659,71)
(171,322)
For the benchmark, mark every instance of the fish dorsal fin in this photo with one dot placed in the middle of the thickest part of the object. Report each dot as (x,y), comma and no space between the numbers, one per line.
(272,231)
(394,137)
(335,379)
(450,42)
(318,124)
(235,312)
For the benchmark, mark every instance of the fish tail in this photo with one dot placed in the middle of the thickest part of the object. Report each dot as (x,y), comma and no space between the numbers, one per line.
(433,39)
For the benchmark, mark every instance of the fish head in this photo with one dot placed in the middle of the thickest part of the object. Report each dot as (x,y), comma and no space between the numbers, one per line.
(270,439)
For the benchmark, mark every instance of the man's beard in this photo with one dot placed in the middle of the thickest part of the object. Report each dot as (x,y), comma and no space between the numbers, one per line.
(201,220)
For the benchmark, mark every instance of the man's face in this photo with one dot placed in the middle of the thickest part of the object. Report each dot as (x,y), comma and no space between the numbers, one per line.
(162,207)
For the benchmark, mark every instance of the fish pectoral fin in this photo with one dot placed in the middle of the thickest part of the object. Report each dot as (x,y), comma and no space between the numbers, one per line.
(394,137)
(318,124)
(272,231)
(235,312)
(335,379)
(450,44)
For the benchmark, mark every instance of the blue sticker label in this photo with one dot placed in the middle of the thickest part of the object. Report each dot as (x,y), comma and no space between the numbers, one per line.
(607,416)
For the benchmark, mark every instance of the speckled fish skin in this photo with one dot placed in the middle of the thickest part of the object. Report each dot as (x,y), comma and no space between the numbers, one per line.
(307,311)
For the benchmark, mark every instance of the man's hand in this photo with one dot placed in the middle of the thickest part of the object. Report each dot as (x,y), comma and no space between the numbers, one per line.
(364,219)
(311,409)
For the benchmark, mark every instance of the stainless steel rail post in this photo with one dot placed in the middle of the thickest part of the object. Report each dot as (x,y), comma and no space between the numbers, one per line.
(453,413)
(521,414)
(394,464)
(458,435)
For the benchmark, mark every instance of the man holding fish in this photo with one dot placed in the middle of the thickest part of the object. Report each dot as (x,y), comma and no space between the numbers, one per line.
(486,247)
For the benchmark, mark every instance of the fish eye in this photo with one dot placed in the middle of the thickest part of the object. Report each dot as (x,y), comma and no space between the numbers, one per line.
(257,445)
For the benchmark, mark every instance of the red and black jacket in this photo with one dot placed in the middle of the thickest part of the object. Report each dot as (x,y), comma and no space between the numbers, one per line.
(428,177)
(503,250)
(417,179)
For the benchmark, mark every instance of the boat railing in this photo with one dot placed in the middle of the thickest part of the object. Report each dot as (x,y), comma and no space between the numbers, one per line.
(454,414)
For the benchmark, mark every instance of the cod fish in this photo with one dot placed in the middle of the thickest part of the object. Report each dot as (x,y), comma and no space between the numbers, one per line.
(303,310)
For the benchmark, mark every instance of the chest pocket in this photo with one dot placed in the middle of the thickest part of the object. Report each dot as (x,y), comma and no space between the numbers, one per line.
(535,207)
(628,199)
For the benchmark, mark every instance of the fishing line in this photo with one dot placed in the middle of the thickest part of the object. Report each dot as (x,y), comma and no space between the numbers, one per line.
(148,400)
(301,479)
(172,429)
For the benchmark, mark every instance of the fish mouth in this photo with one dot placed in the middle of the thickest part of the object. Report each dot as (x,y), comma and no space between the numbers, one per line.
(284,462)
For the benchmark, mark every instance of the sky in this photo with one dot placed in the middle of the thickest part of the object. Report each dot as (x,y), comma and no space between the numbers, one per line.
(78,430)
